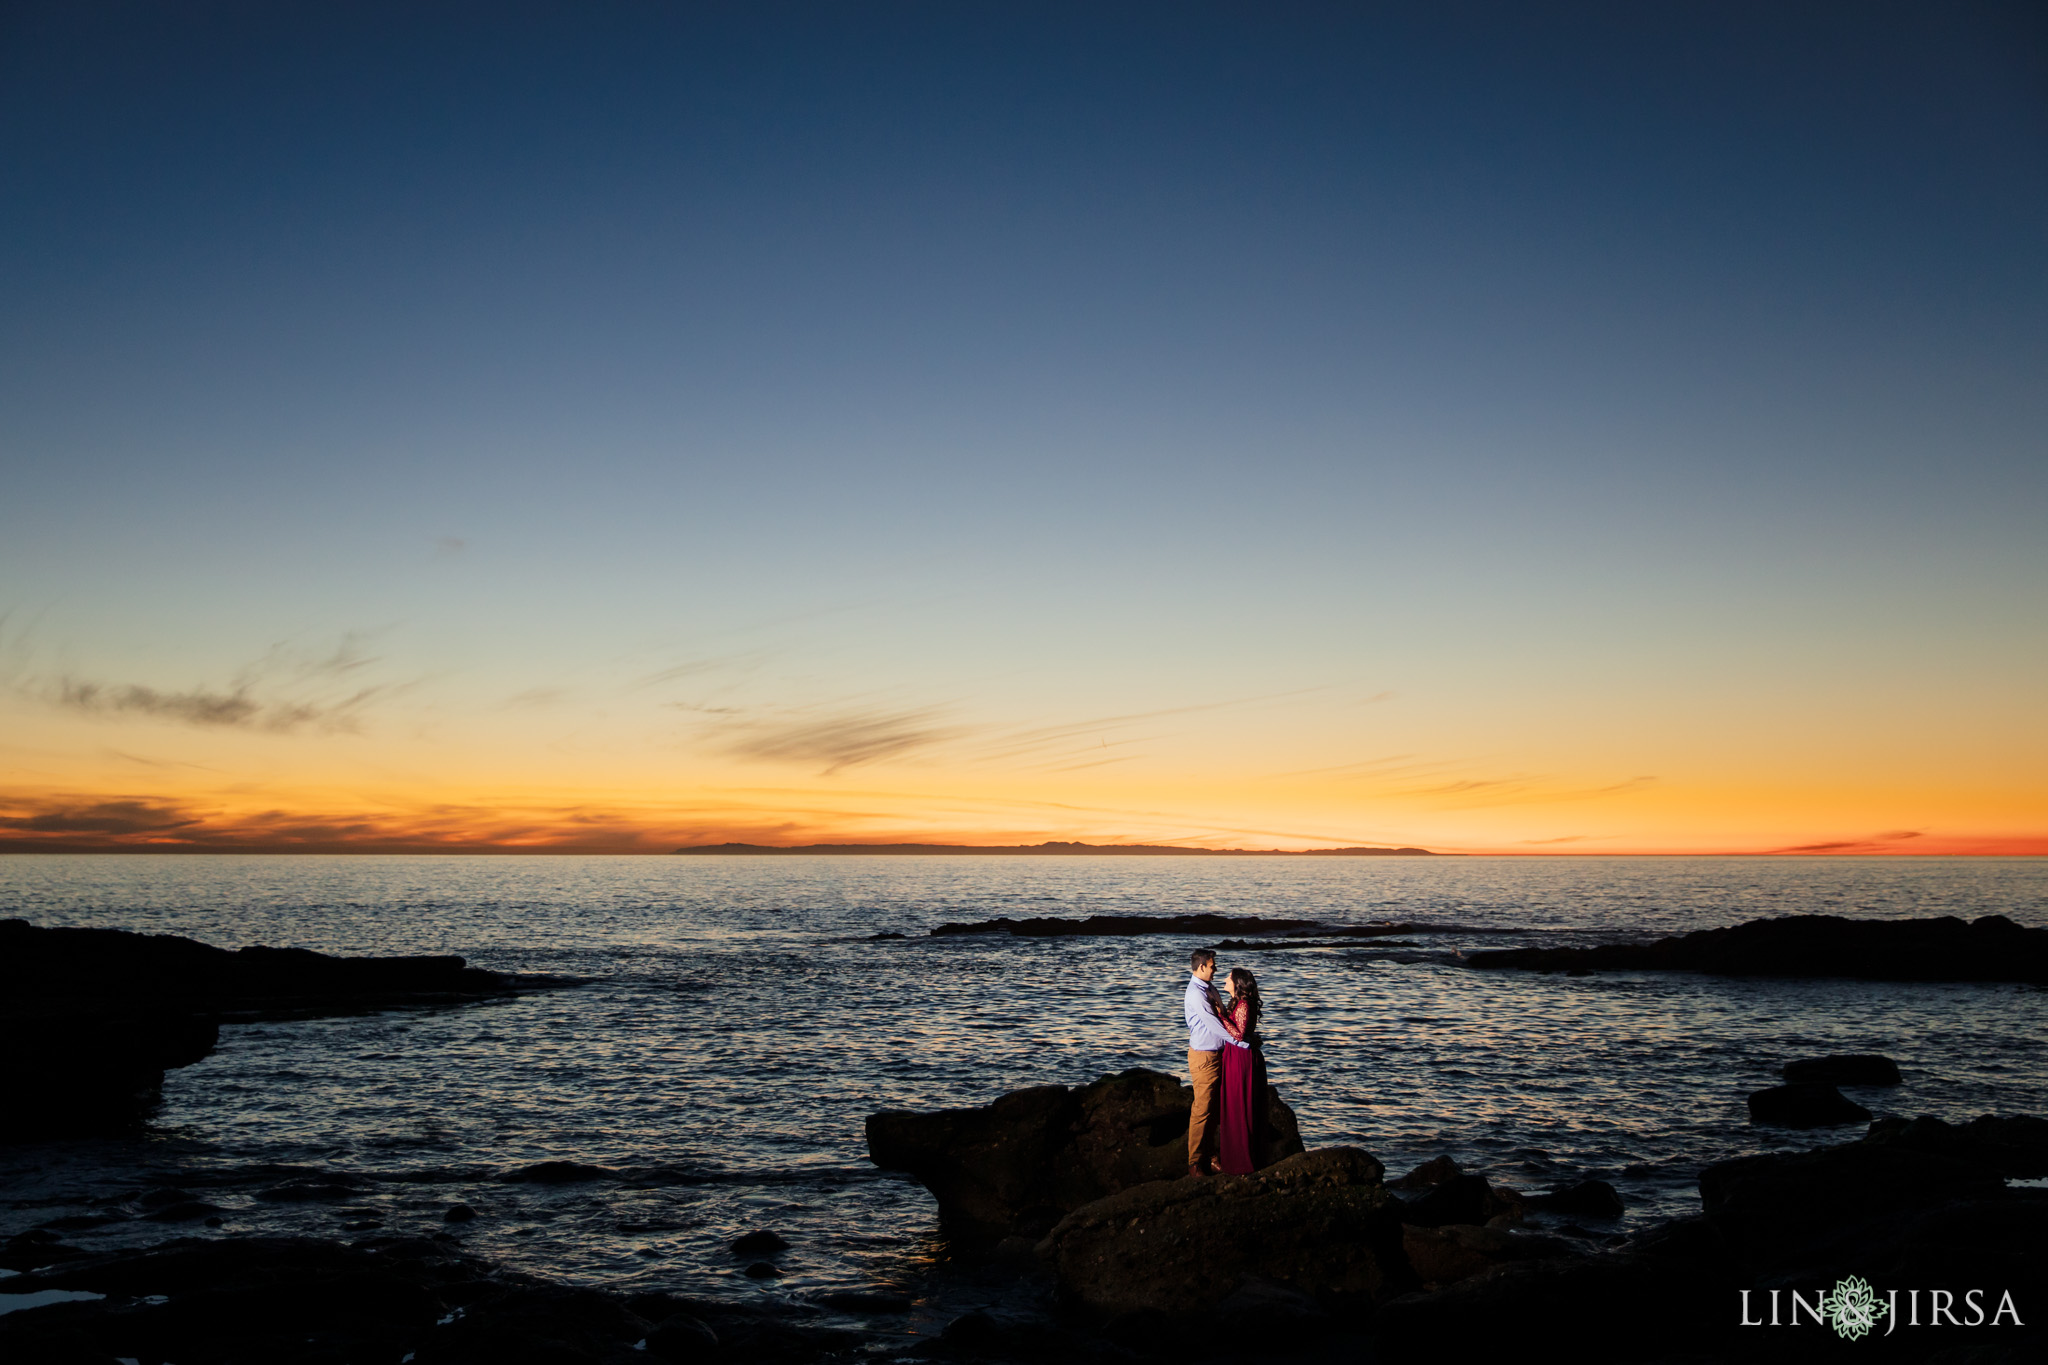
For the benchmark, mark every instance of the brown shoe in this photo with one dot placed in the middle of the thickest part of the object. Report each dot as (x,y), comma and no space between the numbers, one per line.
(1197,1172)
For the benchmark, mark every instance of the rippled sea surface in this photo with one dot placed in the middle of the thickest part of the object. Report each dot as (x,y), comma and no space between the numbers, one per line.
(741,1022)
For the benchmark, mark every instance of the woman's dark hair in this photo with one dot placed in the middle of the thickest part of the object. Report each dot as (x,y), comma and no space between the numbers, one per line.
(1244,986)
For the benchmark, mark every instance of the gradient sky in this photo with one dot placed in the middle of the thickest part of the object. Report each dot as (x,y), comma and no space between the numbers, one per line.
(1497,428)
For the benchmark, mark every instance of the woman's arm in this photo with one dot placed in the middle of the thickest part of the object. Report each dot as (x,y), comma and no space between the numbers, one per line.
(1234,1018)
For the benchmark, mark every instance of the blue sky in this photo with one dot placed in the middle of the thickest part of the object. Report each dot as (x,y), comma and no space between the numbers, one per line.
(1637,388)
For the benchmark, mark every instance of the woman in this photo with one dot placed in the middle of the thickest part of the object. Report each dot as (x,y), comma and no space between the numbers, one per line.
(1244,1079)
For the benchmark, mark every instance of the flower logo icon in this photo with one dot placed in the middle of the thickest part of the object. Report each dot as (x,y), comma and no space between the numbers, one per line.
(1853,1308)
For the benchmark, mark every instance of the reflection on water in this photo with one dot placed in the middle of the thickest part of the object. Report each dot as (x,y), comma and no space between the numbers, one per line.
(741,1025)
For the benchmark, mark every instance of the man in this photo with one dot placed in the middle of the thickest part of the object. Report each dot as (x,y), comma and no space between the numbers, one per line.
(1206,1041)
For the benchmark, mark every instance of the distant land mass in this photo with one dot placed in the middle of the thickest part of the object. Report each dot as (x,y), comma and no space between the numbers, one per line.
(1057,848)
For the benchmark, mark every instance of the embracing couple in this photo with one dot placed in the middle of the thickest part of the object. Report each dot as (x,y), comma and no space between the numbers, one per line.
(1227,1068)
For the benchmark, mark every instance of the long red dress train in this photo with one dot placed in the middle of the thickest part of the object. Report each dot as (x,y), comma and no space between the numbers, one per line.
(1244,1086)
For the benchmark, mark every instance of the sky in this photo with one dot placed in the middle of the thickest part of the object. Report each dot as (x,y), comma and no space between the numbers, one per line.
(606,427)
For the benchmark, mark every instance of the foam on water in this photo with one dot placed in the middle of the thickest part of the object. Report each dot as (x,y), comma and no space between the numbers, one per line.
(741,1024)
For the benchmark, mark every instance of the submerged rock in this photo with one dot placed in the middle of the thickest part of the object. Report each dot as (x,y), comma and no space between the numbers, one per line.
(1016,1166)
(1804,1105)
(1319,1225)
(1992,948)
(1856,1068)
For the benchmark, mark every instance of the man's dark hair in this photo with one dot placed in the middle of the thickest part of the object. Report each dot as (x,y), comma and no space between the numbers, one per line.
(1199,958)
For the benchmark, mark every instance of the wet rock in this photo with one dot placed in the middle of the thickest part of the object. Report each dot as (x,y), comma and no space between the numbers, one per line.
(1855,1068)
(1428,1175)
(760,1242)
(1586,1199)
(1319,1224)
(459,1213)
(1016,1166)
(761,1270)
(1991,948)
(1806,1105)
(557,1173)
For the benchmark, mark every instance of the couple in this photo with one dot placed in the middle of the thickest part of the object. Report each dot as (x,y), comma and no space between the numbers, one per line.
(1228,1072)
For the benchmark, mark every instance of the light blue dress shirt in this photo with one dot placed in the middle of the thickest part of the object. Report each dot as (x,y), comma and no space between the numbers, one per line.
(1205,1030)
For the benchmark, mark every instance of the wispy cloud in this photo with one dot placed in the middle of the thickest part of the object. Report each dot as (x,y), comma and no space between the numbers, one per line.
(286,689)
(844,739)
(1877,843)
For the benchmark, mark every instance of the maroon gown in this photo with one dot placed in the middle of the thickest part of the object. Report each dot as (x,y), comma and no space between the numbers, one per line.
(1243,1090)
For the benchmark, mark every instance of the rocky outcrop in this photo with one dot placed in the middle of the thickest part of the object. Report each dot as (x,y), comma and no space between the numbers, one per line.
(95,1017)
(1856,1068)
(1204,925)
(1018,1165)
(1992,948)
(2013,1145)
(1910,1205)
(384,1298)
(1804,1105)
(1101,926)
(1319,1227)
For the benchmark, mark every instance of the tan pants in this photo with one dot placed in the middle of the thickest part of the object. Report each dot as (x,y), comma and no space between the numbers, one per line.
(1205,1071)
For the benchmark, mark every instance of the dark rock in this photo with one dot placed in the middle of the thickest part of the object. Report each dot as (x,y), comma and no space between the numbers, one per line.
(1606,1307)
(884,937)
(970,1330)
(1586,1199)
(94,1017)
(1281,1320)
(682,1337)
(1856,1068)
(865,1301)
(1992,948)
(298,1299)
(761,1270)
(2016,1146)
(1428,1175)
(1319,1224)
(1457,1251)
(1806,1105)
(1774,1206)
(760,1242)
(1460,1199)
(1015,1167)
(458,1213)
(557,1173)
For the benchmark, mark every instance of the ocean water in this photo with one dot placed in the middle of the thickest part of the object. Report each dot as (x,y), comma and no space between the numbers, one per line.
(740,1022)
